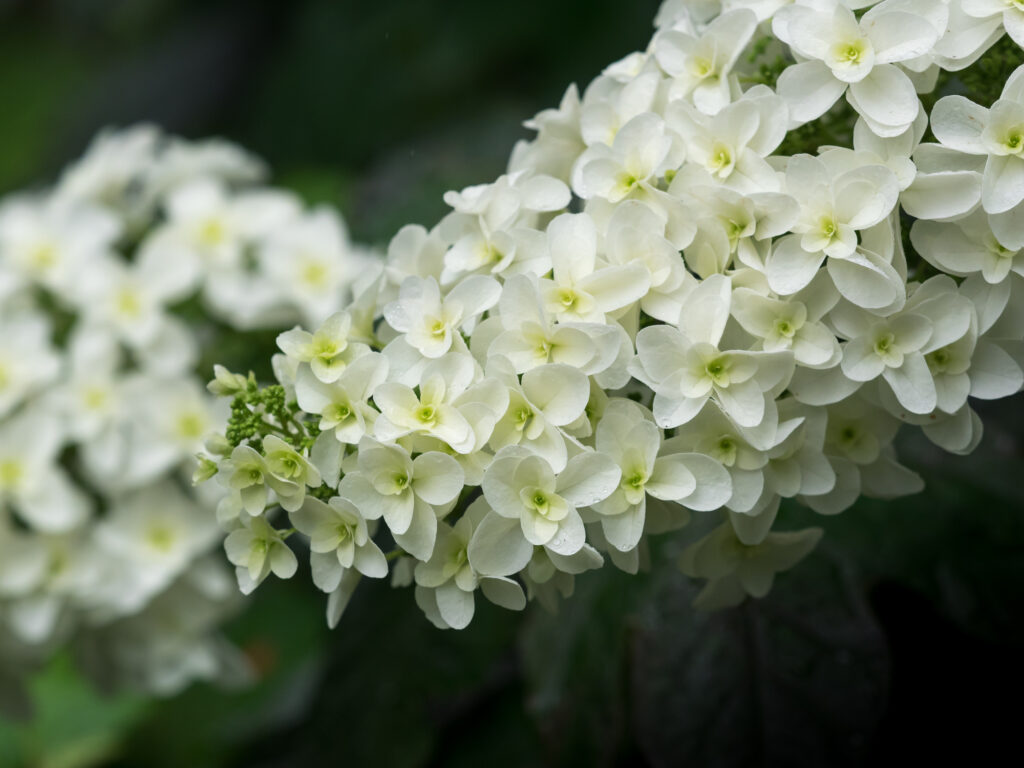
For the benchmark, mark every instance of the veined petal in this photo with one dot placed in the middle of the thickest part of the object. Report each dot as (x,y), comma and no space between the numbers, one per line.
(744,403)
(498,548)
(1003,184)
(706,310)
(809,89)
(437,477)
(617,287)
(866,280)
(789,267)
(455,606)
(912,384)
(572,240)
(624,531)
(942,195)
(588,478)
(886,96)
(418,538)
(958,123)
(570,537)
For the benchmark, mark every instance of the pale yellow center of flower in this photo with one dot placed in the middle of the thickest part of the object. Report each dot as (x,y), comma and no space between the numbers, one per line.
(784,328)
(568,298)
(721,159)
(628,182)
(344,532)
(95,398)
(702,67)
(884,343)
(725,450)
(127,303)
(851,53)
(426,415)
(338,411)
(191,426)
(522,417)
(314,273)
(327,349)
(11,473)
(939,360)
(540,503)
(1014,140)
(718,371)
(43,257)
(212,232)
(160,537)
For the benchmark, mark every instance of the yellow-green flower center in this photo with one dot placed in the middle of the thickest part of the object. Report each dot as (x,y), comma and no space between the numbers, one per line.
(884,344)
(784,328)
(702,67)
(939,360)
(851,53)
(11,473)
(128,303)
(212,232)
(161,537)
(567,298)
(1014,140)
(718,370)
(43,256)
(725,450)
(314,273)
(338,412)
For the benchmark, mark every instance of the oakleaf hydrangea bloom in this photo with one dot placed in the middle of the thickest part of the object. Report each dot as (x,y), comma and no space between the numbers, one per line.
(708,288)
(857,57)
(111,285)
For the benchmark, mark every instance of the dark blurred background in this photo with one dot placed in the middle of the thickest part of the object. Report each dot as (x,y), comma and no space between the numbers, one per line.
(896,641)
(381,106)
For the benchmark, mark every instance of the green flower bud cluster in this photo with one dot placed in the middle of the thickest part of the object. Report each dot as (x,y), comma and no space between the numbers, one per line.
(257,412)
(244,422)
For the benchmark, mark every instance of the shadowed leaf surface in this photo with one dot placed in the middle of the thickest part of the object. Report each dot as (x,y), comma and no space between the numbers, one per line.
(796,679)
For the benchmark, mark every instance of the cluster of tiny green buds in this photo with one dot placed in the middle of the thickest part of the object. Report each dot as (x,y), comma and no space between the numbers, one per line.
(256,412)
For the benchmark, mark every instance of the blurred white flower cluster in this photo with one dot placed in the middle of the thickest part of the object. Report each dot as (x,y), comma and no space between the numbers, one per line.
(670,304)
(113,283)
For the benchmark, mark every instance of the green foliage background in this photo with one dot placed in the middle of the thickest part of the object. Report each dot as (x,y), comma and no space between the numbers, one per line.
(888,641)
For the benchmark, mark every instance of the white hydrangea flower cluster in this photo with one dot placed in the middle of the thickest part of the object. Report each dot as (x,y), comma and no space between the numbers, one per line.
(661,308)
(111,284)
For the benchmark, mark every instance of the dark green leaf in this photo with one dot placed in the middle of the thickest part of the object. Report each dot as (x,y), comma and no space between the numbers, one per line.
(796,679)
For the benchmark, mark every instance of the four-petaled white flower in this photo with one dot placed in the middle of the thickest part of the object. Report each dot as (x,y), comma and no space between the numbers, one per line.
(257,549)
(857,57)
